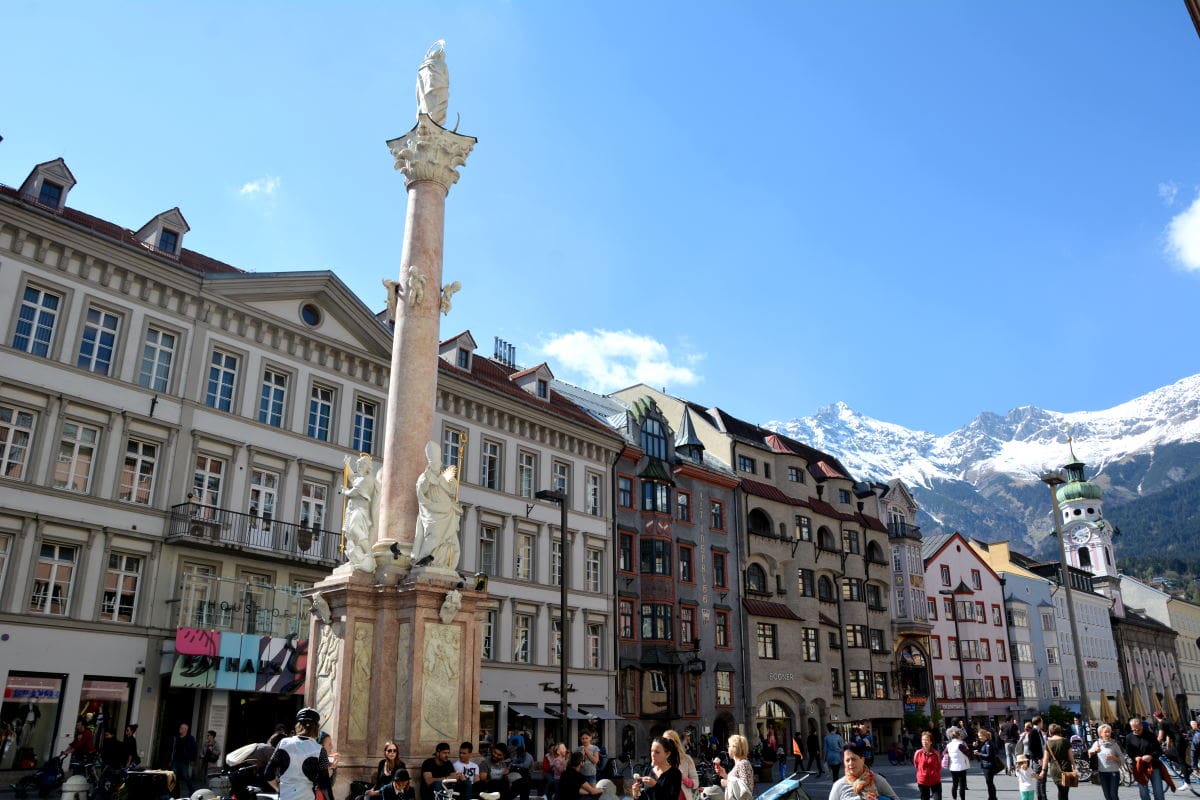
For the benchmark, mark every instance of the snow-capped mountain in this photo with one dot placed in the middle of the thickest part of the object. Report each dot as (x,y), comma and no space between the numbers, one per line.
(982,478)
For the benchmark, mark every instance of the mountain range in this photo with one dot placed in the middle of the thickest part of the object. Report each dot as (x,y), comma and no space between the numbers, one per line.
(982,479)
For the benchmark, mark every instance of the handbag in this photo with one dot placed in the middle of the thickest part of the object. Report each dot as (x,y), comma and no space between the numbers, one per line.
(946,758)
(1067,778)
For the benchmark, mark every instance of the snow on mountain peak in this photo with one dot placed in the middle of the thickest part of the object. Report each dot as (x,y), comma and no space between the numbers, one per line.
(1020,443)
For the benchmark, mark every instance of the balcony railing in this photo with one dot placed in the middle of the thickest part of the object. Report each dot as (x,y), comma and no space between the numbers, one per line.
(903,530)
(224,529)
(222,604)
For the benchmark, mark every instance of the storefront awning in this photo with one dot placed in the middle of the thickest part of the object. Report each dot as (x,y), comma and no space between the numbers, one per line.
(530,710)
(552,712)
(599,712)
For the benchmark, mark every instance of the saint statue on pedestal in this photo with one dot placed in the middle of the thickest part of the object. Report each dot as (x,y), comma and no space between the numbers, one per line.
(435,541)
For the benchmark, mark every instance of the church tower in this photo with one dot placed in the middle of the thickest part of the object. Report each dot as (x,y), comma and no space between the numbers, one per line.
(1087,535)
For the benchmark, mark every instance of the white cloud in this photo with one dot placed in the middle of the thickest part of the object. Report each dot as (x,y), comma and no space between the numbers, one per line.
(608,360)
(264,186)
(1167,190)
(1183,236)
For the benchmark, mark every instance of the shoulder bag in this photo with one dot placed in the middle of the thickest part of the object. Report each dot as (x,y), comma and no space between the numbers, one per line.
(1068,778)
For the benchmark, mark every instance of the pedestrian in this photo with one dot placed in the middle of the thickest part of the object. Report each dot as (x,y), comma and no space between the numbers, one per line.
(797,752)
(300,766)
(1059,760)
(1036,744)
(813,743)
(591,757)
(1109,758)
(1143,748)
(833,745)
(183,756)
(859,781)
(929,768)
(1194,740)
(1009,733)
(959,761)
(990,761)
(1026,777)
(210,755)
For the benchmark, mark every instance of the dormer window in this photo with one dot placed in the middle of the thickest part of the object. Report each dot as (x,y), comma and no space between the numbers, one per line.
(535,380)
(543,389)
(168,241)
(48,184)
(50,194)
(458,350)
(164,234)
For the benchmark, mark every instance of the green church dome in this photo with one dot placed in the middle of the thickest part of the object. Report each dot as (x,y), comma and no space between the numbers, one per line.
(1078,490)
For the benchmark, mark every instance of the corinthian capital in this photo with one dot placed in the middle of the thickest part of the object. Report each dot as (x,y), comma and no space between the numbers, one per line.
(429,152)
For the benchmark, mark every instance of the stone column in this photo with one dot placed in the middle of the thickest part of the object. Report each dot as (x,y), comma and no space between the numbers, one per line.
(429,156)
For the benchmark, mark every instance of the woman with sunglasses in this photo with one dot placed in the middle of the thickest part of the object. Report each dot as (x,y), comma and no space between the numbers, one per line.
(387,767)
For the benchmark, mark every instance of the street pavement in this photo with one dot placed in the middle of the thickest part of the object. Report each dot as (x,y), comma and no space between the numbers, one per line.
(904,782)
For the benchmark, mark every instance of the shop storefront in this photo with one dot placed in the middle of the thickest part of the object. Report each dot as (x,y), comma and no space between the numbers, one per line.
(46,689)
(238,684)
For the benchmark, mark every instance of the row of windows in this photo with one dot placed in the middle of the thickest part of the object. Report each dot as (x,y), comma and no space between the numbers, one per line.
(656,622)
(982,688)
(491,470)
(655,559)
(38,316)
(76,458)
(635,683)
(523,647)
(977,649)
(794,474)
(55,579)
(525,555)
(976,577)
(656,497)
(968,611)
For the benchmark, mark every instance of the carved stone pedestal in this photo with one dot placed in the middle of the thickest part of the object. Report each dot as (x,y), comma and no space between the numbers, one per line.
(388,667)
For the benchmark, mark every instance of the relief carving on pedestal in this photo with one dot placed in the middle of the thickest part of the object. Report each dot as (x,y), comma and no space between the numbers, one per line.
(440,682)
(327,669)
(360,680)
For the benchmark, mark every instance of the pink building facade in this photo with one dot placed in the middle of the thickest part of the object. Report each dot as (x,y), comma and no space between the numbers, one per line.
(972,671)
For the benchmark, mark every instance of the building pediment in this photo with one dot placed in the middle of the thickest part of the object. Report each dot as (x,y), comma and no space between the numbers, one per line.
(315,302)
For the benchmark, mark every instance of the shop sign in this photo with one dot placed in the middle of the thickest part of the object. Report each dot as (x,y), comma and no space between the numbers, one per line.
(207,659)
(32,689)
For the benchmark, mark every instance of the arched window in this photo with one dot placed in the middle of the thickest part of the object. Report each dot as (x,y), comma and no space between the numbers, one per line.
(1085,557)
(756,579)
(875,553)
(825,539)
(757,522)
(825,589)
(654,440)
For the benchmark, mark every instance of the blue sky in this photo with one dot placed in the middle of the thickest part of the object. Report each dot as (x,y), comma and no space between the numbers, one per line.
(925,209)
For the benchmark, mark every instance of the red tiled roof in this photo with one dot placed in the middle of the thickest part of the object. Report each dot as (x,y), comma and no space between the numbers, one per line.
(874,523)
(822,470)
(779,445)
(827,621)
(825,509)
(124,236)
(492,375)
(529,371)
(769,492)
(763,608)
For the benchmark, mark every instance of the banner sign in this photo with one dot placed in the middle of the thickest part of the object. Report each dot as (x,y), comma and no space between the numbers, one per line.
(207,659)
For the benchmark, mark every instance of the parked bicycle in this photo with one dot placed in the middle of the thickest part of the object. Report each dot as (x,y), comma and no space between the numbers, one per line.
(1182,775)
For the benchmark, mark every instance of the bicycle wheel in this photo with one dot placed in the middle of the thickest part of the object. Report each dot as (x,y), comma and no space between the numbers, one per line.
(1127,778)
(1181,775)
(1084,767)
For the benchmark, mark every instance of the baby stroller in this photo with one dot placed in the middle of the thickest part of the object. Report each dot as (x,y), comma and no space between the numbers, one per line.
(46,779)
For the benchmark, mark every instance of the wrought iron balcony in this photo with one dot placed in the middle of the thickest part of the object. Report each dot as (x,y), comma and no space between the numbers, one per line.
(220,528)
(210,603)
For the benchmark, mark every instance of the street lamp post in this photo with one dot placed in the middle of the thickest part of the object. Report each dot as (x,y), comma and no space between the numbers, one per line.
(1053,479)
(953,594)
(564,647)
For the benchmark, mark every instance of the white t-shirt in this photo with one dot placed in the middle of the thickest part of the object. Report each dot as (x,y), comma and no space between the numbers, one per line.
(469,770)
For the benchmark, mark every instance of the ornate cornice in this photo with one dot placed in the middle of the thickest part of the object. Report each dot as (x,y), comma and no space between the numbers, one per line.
(429,152)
